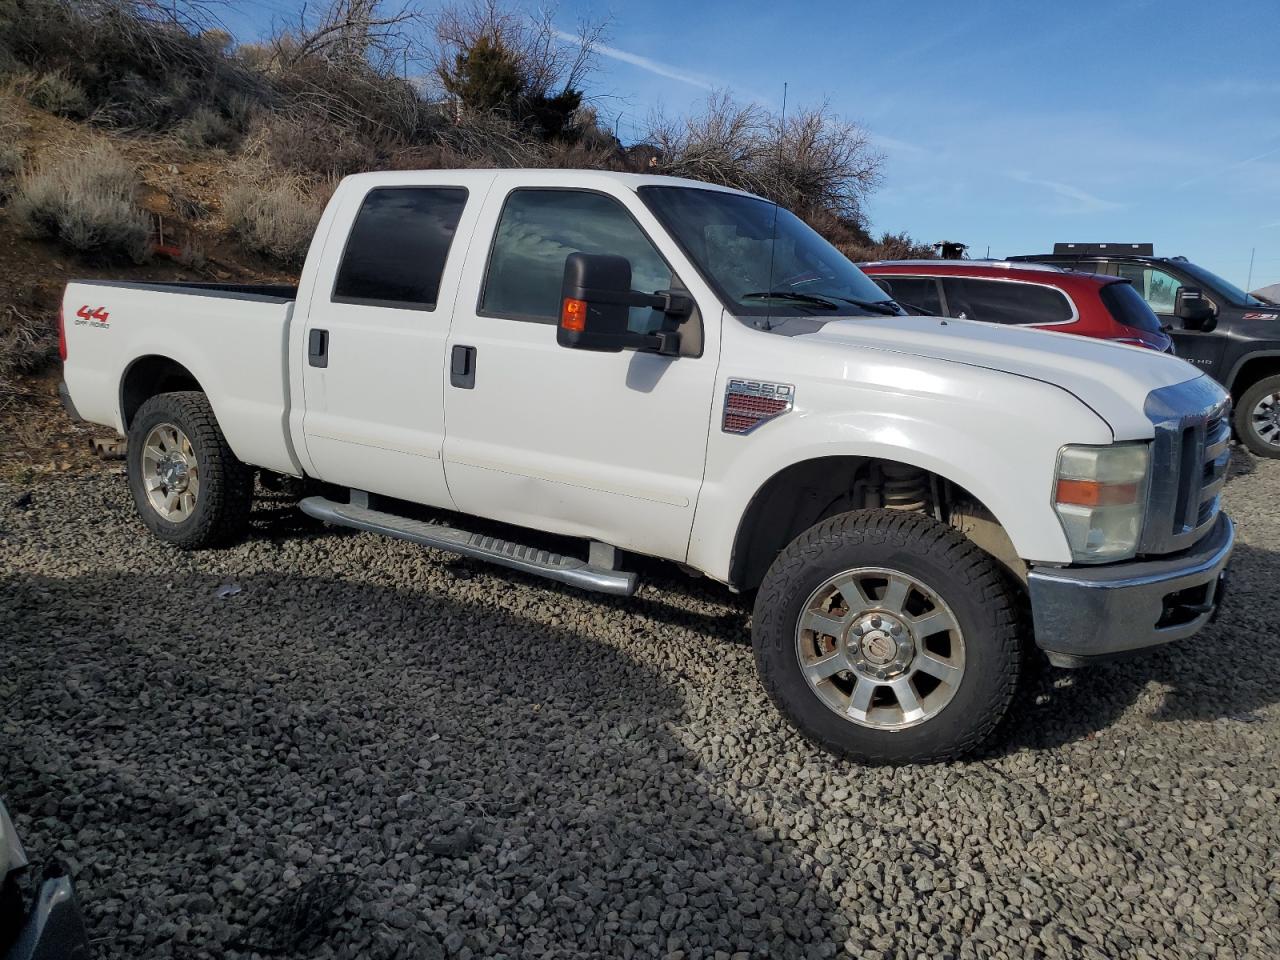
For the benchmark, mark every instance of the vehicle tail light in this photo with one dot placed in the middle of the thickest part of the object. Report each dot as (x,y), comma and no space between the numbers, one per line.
(62,335)
(573,314)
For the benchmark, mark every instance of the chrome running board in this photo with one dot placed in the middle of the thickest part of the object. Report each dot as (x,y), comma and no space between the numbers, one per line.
(543,563)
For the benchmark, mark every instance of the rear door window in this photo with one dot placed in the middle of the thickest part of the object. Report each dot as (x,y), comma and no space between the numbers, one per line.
(919,292)
(398,245)
(1005,301)
(539,229)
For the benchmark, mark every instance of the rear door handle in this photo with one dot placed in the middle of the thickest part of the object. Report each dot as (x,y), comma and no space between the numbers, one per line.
(462,367)
(318,348)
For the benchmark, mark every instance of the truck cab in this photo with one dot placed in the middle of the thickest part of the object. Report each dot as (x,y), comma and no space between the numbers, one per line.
(1229,334)
(566,369)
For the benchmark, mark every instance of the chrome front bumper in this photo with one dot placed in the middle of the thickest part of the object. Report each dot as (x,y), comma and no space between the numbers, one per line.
(1083,613)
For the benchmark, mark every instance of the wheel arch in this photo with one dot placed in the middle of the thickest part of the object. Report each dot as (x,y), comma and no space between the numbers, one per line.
(808,491)
(1256,366)
(148,376)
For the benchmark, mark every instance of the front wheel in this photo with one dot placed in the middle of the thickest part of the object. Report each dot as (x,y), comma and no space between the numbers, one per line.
(189,488)
(887,637)
(1257,417)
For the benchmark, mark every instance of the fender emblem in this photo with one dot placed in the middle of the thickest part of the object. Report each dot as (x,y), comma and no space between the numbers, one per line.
(750,403)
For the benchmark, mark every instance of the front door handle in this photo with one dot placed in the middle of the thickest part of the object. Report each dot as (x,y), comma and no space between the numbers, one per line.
(462,367)
(318,347)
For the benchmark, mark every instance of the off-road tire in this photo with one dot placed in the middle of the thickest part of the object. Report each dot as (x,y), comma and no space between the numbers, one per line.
(982,597)
(221,513)
(1243,419)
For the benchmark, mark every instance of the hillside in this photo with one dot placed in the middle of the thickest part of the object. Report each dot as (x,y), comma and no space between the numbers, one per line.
(177,153)
(179,188)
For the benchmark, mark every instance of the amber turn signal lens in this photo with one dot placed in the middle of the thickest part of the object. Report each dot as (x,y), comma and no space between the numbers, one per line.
(1091,493)
(573,315)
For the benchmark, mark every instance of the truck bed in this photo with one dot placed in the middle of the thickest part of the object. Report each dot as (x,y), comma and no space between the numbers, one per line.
(230,338)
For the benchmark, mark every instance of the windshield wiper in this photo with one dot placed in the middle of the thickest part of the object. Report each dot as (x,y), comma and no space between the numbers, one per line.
(875,306)
(791,295)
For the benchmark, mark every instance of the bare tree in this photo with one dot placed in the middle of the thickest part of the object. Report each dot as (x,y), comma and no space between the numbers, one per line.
(813,162)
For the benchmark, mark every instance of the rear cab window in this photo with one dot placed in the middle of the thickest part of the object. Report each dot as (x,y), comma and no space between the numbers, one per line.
(539,228)
(1006,301)
(396,251)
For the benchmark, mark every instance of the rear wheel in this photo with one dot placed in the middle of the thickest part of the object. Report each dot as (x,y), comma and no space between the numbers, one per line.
(189,488)
(1257,417)
(887,637)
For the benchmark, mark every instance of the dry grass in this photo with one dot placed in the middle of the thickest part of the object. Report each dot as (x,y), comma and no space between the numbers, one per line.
(28,341)
(275,215)
(57,94)
(87,201)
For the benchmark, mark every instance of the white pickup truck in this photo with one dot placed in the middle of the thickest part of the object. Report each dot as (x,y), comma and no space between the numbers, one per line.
(663,367)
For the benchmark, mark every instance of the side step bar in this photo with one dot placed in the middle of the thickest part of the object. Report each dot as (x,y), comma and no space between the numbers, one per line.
(543,563)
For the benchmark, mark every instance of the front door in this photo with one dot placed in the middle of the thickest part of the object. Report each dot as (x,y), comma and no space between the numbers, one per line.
(375,343)
(607,446)
(1159,287)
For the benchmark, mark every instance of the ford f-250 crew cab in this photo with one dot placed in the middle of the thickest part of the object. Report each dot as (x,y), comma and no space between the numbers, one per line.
(667,368)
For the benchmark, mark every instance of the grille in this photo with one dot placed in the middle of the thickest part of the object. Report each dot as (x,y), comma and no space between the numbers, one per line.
(1189,458)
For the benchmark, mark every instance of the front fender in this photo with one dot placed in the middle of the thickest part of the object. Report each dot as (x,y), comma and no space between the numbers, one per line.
(998,439)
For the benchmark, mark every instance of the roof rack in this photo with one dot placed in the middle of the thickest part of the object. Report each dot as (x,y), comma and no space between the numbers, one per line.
(1097,249)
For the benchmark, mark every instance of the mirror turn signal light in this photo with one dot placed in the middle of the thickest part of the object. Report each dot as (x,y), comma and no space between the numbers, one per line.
(573,314)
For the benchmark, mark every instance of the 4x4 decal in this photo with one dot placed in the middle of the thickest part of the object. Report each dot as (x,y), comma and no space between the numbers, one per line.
(93,316)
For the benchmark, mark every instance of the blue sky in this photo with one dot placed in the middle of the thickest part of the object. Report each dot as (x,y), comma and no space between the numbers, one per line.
(1006,124)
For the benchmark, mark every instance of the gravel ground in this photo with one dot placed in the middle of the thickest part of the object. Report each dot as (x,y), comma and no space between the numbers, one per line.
(494,765)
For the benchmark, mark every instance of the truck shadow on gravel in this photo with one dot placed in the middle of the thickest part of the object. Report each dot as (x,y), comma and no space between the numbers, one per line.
(492,780)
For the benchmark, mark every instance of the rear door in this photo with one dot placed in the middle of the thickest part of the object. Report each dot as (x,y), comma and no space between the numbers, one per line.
(375,339)
(607,446)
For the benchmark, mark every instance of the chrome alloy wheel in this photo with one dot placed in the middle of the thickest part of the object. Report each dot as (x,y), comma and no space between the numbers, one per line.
(880,648)
(1265,419)
(170,473)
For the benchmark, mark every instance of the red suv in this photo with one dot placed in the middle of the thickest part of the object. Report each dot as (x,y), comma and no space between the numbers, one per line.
(1033,295)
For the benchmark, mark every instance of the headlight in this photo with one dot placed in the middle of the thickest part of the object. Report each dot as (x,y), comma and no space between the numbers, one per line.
(1101,496)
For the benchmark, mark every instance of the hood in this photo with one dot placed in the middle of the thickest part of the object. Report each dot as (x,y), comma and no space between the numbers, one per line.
(1110,378)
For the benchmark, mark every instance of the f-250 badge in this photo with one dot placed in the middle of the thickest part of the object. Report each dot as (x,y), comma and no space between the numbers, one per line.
(750,403)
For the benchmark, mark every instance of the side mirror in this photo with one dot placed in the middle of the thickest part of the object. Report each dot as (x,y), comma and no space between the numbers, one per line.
(883,284)
(595,297)
(1194,309)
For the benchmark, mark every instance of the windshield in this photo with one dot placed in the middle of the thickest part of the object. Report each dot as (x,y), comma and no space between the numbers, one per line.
(1215,282)
(731,240)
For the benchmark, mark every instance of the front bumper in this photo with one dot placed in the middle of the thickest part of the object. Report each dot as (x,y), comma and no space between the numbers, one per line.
(1084,613)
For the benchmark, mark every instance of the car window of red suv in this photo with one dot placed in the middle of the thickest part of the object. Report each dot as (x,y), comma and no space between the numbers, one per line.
(1127,307)
(1006,301)
(918,292)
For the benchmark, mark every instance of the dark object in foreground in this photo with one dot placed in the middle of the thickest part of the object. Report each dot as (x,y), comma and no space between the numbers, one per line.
(53,928)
